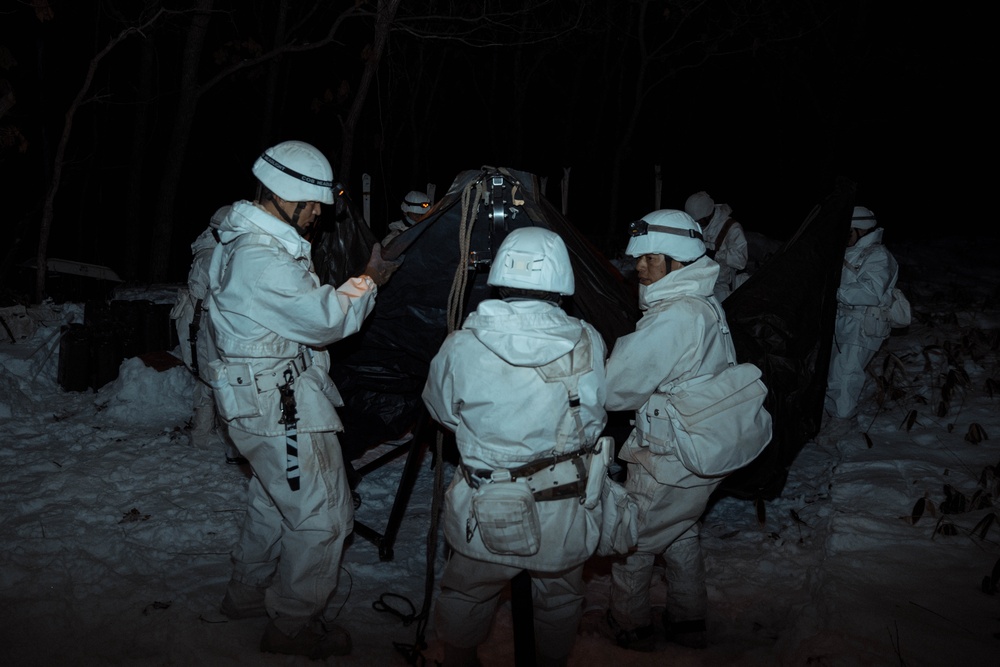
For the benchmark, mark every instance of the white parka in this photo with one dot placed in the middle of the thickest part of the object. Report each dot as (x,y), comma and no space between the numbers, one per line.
(864,299)
(484,386)
(677,338)
(866,281)
(731,255)
(266,306)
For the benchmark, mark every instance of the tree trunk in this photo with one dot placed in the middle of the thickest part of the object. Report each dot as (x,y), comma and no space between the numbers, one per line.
(48,207)
(386,15)
(134,208)
(271,82)
(163,207)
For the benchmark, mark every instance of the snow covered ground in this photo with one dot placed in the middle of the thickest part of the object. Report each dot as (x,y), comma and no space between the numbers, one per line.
(115,531)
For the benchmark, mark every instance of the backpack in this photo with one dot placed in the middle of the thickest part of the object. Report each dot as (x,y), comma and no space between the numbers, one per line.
(900,313)
(718,421)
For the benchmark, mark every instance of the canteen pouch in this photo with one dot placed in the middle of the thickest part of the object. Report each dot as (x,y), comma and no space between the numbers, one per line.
(600,459)
(235,390)
(507,518)
(619,520)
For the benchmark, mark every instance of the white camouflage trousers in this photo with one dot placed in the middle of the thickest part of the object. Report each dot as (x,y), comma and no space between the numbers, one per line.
(470,590)
(292,541)
(668,526)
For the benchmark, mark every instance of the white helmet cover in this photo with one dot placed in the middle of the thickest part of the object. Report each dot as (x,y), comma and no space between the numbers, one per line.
(533,258)
(863,218)
(666,232)
(415,203)
(296,171)
(699,205)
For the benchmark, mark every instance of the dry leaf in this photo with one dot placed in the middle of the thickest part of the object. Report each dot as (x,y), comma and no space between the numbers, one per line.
(945,528)
(983,526)
(918,511)
(976,434)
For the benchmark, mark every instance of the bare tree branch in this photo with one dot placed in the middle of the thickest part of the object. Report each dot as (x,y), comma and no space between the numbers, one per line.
(45,227)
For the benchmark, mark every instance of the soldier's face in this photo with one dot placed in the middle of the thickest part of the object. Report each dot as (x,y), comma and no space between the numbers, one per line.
(651,267)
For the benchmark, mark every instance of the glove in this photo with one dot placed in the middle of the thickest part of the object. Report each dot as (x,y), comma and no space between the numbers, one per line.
(379,269)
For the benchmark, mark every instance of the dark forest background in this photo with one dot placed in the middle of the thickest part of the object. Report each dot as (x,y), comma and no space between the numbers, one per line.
(124,124)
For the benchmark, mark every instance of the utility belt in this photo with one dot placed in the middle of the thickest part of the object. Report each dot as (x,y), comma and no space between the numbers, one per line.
(237,387)
(551,477)
(285,372)
(877,311)
(505,514)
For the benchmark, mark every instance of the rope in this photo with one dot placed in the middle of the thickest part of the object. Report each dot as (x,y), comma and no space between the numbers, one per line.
(413,652)
(460,281)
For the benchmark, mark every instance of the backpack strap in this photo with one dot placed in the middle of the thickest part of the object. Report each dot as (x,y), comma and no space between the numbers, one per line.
(723,325)
(721,237)
(567,369)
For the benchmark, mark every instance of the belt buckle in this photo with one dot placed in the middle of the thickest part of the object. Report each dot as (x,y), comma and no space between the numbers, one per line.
(502,475)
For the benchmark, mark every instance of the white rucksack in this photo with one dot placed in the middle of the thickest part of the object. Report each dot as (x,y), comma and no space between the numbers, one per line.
(715,424)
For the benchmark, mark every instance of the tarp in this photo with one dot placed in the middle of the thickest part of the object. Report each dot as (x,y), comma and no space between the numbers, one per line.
(382,370)
(782,320)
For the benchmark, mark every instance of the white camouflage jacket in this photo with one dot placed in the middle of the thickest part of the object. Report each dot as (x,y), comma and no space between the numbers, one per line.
(267,308)
(731,255)
(484,386)
(677,338)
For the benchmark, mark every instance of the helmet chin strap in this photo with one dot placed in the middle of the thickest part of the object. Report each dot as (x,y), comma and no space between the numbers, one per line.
(293,219)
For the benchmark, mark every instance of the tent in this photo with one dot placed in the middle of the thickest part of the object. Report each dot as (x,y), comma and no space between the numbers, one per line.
(781,319)
(381,371)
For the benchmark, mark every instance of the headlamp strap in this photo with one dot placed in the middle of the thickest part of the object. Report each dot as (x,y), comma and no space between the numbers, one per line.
(294,174)
(641,228)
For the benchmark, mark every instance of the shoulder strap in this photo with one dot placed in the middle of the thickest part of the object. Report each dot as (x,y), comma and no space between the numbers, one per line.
(567,369)
(723,325)
(722,233)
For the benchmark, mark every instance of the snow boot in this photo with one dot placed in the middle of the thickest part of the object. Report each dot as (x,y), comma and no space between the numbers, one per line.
(317,640)
(637,639)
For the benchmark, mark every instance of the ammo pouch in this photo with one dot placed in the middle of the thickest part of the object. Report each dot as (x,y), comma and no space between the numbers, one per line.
(235,389)
(619,520)
(507,519)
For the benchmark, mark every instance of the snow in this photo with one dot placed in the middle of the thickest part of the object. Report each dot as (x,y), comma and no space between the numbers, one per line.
(115,530)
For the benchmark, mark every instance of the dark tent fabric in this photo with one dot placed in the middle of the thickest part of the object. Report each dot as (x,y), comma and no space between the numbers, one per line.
(782,320)
(345,242)
(381,371)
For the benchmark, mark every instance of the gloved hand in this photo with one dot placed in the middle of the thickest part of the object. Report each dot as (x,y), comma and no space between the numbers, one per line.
(379,269)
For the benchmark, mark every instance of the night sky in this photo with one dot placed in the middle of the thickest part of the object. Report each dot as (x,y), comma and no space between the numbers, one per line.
(768,103)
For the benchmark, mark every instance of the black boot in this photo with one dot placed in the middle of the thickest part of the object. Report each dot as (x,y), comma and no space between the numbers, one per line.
(316,641)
